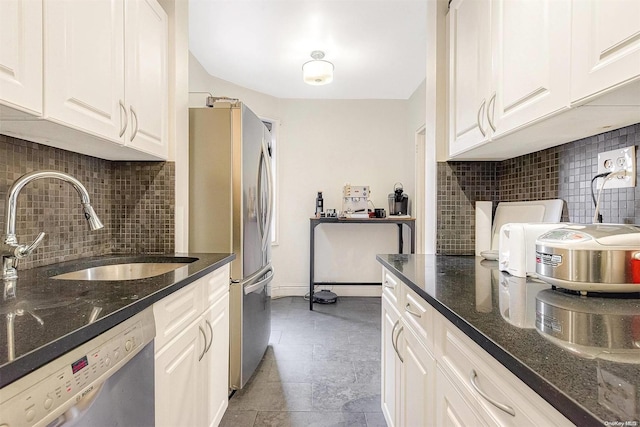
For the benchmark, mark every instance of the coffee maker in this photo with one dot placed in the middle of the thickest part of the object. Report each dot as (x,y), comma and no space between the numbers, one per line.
(398,201)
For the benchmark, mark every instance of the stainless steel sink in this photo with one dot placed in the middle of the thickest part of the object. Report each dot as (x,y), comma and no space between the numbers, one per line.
(128,271)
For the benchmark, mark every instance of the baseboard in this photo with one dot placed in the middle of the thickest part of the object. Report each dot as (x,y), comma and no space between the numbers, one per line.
(341,291)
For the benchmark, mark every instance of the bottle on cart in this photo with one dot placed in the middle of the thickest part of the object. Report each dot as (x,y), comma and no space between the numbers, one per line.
(319,204)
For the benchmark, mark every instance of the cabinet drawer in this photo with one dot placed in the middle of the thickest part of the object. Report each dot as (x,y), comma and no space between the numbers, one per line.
(217,284)
(418,315)
(175,312)
(391,287)
(488,384)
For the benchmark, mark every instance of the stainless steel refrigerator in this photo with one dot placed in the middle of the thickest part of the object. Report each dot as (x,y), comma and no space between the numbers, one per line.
(230,210)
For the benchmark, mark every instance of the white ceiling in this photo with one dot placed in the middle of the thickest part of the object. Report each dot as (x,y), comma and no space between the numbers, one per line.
(378,48)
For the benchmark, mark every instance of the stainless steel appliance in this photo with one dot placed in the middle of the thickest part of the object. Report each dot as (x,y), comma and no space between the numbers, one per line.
(107,382)
(398,201)
(230,210)
(592,257)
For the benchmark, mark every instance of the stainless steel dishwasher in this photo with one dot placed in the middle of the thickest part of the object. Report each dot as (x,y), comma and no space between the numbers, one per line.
(107,381)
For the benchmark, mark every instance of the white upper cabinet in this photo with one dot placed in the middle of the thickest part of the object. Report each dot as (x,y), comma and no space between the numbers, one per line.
(21,56)
(84,59)
(146,78)
(605,50)
(102,87)
(508,67)
(469,73)
(531,62)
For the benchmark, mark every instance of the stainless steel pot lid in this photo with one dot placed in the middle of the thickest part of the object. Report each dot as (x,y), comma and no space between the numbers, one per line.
(591,327)
(593,236)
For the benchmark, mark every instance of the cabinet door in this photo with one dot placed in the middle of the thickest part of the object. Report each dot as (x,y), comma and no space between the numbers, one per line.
(216,361)
(452,409)
(178,373)
(531,62)
(390,363)
(605,49)
(469,73)
(146,78)
(21,55)
(417,382)
(176,312)
(84,62)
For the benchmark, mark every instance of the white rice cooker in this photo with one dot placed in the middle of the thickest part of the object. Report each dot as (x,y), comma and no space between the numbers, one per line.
(590,258)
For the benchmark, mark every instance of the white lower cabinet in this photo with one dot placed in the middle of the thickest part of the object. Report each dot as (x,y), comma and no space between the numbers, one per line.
(407,364)
(216,361)
(452,409)
(435,375)
(417,382)
(390,362)
(177,375)
(192,353)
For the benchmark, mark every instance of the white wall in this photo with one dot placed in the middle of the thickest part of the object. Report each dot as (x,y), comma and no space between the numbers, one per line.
(322,145)
(201,81)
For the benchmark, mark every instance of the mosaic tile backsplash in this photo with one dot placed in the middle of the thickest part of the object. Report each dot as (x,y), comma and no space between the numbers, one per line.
(134,200)
(562,172)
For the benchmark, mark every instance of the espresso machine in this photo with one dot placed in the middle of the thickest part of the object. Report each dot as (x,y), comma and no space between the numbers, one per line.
(398,201)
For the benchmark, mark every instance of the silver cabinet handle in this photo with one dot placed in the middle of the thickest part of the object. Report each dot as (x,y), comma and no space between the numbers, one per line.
(134,116)
(492,101)
(205,343)
(506,408)
(396,346)
(387,285)
(126,118)
(393,339)
(211,331)
(480,114)
(407,308)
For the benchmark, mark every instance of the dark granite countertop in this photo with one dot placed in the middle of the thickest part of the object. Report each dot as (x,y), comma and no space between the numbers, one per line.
(498,313)
(49,317)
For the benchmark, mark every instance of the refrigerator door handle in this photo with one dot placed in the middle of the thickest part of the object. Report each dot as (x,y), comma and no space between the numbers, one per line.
(253,282)
(266,227)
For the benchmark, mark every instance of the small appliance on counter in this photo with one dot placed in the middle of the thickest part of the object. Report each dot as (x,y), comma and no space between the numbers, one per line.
(355,201)
(319,204)
(398,201)
(590,257)
(529,211)
(517,247)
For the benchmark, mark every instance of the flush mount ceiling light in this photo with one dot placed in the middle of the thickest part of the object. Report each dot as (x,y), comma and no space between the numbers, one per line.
(317,72)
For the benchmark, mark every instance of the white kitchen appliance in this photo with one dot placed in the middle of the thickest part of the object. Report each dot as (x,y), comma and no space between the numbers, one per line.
(590,257)
(517,247)
(230,210)
(526,211)
(355,201)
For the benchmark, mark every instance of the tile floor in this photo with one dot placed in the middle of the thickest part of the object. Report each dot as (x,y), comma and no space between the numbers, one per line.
(322,368)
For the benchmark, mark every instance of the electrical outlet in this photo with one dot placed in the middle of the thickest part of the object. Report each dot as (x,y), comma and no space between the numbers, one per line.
(617,160)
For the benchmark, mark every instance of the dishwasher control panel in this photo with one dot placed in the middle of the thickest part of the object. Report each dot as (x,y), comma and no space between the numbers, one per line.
(42,397)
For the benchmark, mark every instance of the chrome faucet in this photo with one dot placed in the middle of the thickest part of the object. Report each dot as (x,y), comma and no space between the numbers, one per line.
(11,250)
